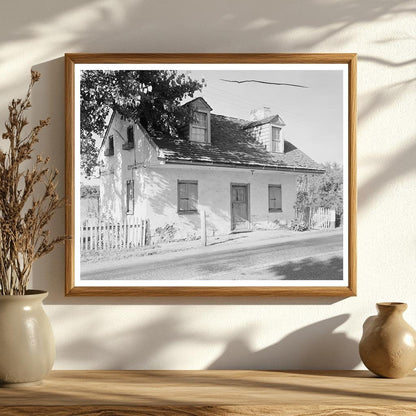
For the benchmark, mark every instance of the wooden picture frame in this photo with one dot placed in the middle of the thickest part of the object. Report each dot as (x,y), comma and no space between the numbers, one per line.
(200,159)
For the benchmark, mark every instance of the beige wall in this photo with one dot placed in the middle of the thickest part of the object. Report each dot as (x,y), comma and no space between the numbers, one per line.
(234,333)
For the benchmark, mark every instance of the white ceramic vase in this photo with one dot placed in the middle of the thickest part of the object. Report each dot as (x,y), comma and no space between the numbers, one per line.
(27,346)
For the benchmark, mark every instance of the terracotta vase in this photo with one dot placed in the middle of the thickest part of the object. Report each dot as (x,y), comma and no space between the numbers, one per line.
(27,346)
(388,345)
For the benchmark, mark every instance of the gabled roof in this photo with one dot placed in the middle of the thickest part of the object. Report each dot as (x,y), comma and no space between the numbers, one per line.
(198,100)
(232,145)
(274,119)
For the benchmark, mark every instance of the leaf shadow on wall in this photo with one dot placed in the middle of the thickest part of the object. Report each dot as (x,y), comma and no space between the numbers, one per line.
(313,347)
(141,345)
(398,165)
(147,344)
(140,26)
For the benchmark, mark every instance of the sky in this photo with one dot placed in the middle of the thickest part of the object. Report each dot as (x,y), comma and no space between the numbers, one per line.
(313,115)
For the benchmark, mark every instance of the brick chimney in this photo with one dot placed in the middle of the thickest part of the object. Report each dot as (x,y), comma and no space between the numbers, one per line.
(259,113)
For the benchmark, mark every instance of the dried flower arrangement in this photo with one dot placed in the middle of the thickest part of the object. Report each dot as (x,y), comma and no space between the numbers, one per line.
(28,200)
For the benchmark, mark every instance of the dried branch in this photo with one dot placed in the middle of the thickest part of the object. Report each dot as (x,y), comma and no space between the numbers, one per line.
(24,216)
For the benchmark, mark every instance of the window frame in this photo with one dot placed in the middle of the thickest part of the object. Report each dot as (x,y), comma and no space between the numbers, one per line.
(206,128)
(275,186)
(129,144)
(109,150)
(129,210)
(188,211)
(276,142)
(130,134)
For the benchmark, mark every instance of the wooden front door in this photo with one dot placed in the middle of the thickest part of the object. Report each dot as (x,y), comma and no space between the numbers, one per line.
(239,208)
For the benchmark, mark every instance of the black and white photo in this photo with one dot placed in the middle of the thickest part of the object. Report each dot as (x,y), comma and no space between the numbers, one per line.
(212,175)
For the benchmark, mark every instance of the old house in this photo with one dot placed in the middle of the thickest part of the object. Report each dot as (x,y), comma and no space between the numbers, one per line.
(240,174)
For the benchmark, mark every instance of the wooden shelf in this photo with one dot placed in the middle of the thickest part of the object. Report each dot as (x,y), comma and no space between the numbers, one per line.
(211,393)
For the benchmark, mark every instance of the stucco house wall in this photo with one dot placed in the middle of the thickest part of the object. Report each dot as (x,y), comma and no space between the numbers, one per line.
(115,170)
(159,197)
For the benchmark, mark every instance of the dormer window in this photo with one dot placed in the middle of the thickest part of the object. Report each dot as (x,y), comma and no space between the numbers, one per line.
(130,139)
(109,151)
(199,127)
(276,140)
(200,121)
(267,131)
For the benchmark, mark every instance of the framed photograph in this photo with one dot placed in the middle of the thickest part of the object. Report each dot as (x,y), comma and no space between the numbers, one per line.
(211,174)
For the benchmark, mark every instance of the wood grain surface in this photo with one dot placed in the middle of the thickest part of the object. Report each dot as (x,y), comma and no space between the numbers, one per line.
(203,393)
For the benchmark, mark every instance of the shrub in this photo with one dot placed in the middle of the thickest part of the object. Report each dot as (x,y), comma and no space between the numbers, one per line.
(166,234)
(299,225)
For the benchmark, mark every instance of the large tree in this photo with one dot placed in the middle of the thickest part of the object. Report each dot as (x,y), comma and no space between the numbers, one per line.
(152,98)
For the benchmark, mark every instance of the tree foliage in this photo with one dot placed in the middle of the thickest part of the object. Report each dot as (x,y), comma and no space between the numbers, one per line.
(152,98)
(324,191)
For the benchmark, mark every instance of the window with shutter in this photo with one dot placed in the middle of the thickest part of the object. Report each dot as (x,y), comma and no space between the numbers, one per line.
(109,151)
(275,198)
(130,197)
(130,139)
(187,196)
(130,136)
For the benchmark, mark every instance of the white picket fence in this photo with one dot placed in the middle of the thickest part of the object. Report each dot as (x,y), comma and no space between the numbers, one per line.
(106,236)
(322,218)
